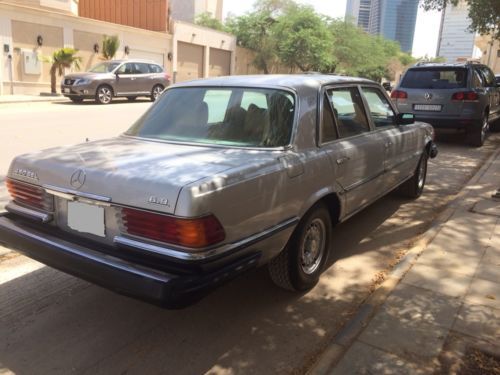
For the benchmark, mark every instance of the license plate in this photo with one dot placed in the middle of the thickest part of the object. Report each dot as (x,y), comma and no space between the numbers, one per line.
(427,107)
(86,218)
(67,90)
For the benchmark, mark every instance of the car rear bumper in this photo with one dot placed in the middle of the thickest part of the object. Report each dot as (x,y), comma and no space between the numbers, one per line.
(155,286)
(449,123)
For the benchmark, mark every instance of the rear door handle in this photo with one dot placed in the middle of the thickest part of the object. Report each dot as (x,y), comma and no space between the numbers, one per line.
(343,160)
(388,144)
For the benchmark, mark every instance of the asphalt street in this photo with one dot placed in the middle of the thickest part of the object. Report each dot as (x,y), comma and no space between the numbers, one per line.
(54,323)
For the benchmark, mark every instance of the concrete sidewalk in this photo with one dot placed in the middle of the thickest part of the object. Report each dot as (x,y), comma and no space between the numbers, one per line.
(444,314)
(12,99)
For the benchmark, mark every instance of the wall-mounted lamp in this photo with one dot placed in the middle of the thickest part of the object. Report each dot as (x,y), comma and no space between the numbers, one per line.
(96,47)
(39,40)
(170,56)
(223,42)
(6,48)
(127,50)
(193,35)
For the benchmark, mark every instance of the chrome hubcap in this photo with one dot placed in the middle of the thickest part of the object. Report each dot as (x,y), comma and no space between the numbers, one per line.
(156,92)
(312,248)
(105,95)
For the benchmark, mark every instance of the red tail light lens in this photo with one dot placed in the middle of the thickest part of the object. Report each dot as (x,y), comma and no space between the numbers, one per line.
(30,195)
(195,233)
(398,94)
(465,95)
(167,76)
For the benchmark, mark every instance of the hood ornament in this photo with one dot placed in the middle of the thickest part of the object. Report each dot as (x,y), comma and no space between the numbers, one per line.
(78,178)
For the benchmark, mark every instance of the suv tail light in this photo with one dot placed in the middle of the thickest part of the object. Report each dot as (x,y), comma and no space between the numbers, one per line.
(167,76)
(465,95)
(398,94)
(195,233)
(30,195)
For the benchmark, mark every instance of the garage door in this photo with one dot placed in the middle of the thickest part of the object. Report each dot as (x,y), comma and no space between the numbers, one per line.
(147,55)
(189,61)
(220,62)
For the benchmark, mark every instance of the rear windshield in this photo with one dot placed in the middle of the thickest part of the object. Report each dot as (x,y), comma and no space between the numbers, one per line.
(242,117)
(435,78)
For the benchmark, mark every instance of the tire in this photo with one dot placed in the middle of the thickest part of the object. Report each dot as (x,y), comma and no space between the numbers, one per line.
(477,136)
(295,268)
(104,94)
(414,187)
(131,98)
(156,92)
(76,100)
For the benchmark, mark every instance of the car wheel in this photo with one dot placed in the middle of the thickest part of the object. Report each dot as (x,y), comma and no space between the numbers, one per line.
(131,98)
(104,94)
(299,266)
(477,136)
(156,92)
(414,187)
(76,100)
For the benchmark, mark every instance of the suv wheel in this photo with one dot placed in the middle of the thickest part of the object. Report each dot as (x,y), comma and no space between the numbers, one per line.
(477,135)
(299,266)
(104,94)
(156,92)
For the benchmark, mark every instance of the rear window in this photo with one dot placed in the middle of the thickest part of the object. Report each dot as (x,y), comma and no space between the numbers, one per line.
(435,78)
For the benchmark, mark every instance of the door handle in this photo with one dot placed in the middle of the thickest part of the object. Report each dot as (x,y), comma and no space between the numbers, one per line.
(343,160)
(388,144)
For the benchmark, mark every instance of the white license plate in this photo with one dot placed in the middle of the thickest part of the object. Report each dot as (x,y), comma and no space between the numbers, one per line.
(67,90)
(427,107)
(86,218)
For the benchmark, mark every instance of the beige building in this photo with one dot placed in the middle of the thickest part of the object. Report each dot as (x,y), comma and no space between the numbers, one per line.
(188,10)
(490,51)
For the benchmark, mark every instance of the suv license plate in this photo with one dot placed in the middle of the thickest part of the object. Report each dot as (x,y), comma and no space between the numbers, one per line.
(67,90)
(427,107)
(86,218)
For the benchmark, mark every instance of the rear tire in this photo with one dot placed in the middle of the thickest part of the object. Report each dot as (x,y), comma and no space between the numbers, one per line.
(156,92)
(477,136)
(495,126)
(299,266)
(414,187)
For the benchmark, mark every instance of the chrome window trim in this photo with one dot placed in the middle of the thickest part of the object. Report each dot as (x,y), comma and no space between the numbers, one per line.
(205,254)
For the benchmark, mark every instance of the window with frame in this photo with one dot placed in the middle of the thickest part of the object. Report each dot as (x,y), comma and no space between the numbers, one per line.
(379,107)
(348,109)
(488,75)
(328,131)
(477,79)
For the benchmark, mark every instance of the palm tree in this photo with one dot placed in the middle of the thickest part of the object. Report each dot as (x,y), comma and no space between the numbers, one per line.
(110,45)
(62,58)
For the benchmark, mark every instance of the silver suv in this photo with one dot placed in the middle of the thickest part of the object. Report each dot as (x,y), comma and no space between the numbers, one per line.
(126,78)
(463,97)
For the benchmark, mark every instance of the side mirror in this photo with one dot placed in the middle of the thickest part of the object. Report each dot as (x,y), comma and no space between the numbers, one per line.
(405,118)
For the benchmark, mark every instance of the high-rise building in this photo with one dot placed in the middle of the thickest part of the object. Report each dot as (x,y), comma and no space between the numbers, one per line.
(393,19)
(455,40)
(188,10)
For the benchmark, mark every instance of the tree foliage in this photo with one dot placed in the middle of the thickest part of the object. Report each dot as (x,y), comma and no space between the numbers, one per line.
(484,14)
(207,20)
(60,59)
(110,45)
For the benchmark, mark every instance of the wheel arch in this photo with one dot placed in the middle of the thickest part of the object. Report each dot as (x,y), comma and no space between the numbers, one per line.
(330,198)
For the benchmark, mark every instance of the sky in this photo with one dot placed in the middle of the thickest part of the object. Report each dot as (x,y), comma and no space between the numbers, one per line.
(426,29)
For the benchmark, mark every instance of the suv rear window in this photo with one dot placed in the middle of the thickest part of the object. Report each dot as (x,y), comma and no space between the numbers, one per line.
(435,78)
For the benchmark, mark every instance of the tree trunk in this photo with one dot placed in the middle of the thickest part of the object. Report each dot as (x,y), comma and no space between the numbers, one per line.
(53,79)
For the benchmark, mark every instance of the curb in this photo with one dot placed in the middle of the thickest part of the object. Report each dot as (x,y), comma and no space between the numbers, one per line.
(43,100)
(342,341)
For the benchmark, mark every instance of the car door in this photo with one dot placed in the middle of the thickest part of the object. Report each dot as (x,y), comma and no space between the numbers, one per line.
(400,142)
(125,79)
(145,78)
(357,154)
(492,90)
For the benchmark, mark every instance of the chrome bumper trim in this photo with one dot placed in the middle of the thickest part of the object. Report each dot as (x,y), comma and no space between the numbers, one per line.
(203,254)
(72,195)
(29,213)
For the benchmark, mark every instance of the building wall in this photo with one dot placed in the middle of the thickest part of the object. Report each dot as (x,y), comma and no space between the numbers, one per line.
(490,51)
(66,6)
(455,40)
(188,10)
(144,14)
(20,26)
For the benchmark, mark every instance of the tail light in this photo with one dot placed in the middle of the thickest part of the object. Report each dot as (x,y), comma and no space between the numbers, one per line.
(30,195)
(167,76)
(194,233)
(465,95)
(398,94)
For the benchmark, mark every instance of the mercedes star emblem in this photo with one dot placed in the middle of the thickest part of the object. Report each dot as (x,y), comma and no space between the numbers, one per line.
(78,178)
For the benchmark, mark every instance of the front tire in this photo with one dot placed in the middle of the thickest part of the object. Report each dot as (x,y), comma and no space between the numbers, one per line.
(299,266)
(104,94)
(414,187)
(156,92)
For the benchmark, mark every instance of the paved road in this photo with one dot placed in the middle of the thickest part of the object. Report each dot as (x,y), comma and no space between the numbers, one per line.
(54,323)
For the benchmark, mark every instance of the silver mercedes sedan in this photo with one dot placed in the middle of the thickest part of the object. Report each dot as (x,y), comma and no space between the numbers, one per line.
(217,177)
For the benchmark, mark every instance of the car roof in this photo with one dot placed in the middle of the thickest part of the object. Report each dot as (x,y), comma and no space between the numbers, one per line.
(135,60)
(284,80)
(445,65)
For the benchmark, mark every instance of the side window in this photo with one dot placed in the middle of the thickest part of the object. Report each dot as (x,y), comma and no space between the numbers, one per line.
(142,68)
(155,68)
(128,68)
(488,75)
(328,131)
(380,109)
(253,97)
(477,79)
(348,108)
(217,101)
